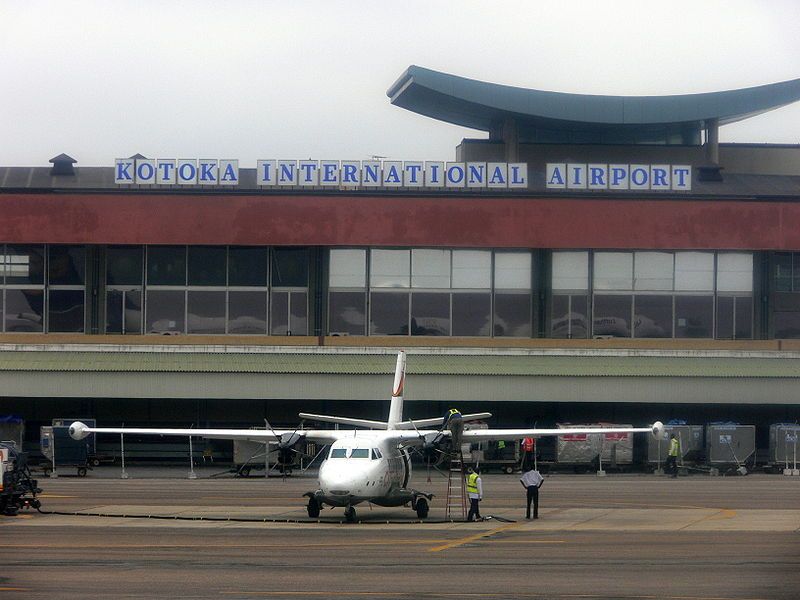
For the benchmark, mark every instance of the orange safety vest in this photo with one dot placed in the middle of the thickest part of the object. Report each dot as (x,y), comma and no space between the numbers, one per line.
(528,444)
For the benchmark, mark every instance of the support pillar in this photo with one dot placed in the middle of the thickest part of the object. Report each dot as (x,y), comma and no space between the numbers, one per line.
(712,141)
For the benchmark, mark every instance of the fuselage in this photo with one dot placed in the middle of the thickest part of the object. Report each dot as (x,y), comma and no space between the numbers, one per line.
(365,468)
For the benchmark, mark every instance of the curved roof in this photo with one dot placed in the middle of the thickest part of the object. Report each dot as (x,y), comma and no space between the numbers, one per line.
(482,105)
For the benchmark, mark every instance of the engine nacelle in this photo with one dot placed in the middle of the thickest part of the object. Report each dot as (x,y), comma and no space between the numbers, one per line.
(658,430)
(78,430)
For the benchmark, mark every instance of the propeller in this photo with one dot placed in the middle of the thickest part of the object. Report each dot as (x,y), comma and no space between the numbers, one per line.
(431,445)
(286,446)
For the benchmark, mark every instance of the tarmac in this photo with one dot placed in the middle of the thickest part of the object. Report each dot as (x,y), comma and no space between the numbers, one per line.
(217,536)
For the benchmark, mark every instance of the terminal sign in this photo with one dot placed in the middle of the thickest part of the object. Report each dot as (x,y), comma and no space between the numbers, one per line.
(346,174)
(574,176)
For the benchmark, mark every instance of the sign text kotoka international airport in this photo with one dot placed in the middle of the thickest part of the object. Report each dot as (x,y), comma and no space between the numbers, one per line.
(323,173)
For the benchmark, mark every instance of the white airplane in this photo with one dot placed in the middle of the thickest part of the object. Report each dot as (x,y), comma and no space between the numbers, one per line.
(371,464)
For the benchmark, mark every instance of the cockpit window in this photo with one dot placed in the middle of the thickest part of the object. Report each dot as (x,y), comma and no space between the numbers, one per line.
(338,453)
(360,453)
(376,454)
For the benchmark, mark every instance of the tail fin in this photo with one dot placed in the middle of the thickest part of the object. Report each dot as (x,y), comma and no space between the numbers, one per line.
(396,407)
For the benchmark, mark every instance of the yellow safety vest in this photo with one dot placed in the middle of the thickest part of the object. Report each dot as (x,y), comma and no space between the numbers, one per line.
(674,447)
(472,483)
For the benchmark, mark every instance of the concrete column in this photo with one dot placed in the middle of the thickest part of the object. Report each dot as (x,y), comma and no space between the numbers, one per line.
(511,140)
(712,141)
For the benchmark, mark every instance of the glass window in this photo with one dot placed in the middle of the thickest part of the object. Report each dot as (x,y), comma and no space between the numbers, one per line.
(430,314)
(205,312)
(734,272)
(166,265)
(347,313)
(359,453)
(376,454)
(166,311)
(743,314)
(787,325)
(290,267)
(725,317)
(472,269)
(289,313)
(512,270)
(612,315)
(124,311)
(559,316)
(430,268)
(247,266)
(472,314)
(652,316)
(694,316)
(571,271)
(579,316)
(613,271)
(348,268)
(388,313)
(390,268)
(653,271)
(247,313)
(298,313)
(694,271)
(338,453)
(512,315)
(124,265)
(207,265)
(24,264)
(279,313)
(65,311)
(24,310)
(784,275)
(67,265)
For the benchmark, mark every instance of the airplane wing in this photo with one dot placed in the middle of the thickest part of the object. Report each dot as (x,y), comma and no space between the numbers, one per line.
(480,435)
(80,430)
(345,420)
(437,421)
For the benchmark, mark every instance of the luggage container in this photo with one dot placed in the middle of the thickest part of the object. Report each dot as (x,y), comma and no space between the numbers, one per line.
(12,429)
(248,456)
(61,450)
(582,450)
(690,437)
(729,443)
(784,439)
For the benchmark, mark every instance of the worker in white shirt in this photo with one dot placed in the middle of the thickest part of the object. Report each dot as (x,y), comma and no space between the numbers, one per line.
(475,493)
(532,480)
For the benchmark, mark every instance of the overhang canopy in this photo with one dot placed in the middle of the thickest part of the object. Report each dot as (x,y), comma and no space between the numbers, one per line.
(485,106)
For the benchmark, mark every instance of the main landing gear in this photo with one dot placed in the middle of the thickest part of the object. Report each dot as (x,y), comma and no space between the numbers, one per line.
(350,514)
(422,508)
(313,507)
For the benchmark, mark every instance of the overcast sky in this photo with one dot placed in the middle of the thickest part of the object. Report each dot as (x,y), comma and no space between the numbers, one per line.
(257,79)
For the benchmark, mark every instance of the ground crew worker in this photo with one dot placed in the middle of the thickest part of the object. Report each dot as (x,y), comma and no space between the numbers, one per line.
(452,413)
(528,448)
(532,480)
(672,455)
(475,493)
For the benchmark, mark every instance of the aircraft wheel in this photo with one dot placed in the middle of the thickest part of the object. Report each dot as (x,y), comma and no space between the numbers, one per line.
(350,514)
(422,508)
(313,508)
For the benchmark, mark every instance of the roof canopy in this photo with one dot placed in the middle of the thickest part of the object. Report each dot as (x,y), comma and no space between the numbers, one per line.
(560,117)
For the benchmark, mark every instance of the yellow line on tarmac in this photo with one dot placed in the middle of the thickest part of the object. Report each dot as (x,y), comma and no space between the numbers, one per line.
(332,544)
(724,513)
(56,496)
(597,596)
(472,538)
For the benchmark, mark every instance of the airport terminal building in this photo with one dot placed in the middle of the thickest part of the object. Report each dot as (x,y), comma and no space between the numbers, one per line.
(596,258)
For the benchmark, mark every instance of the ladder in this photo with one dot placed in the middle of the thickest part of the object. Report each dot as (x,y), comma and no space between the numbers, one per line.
(456,488)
